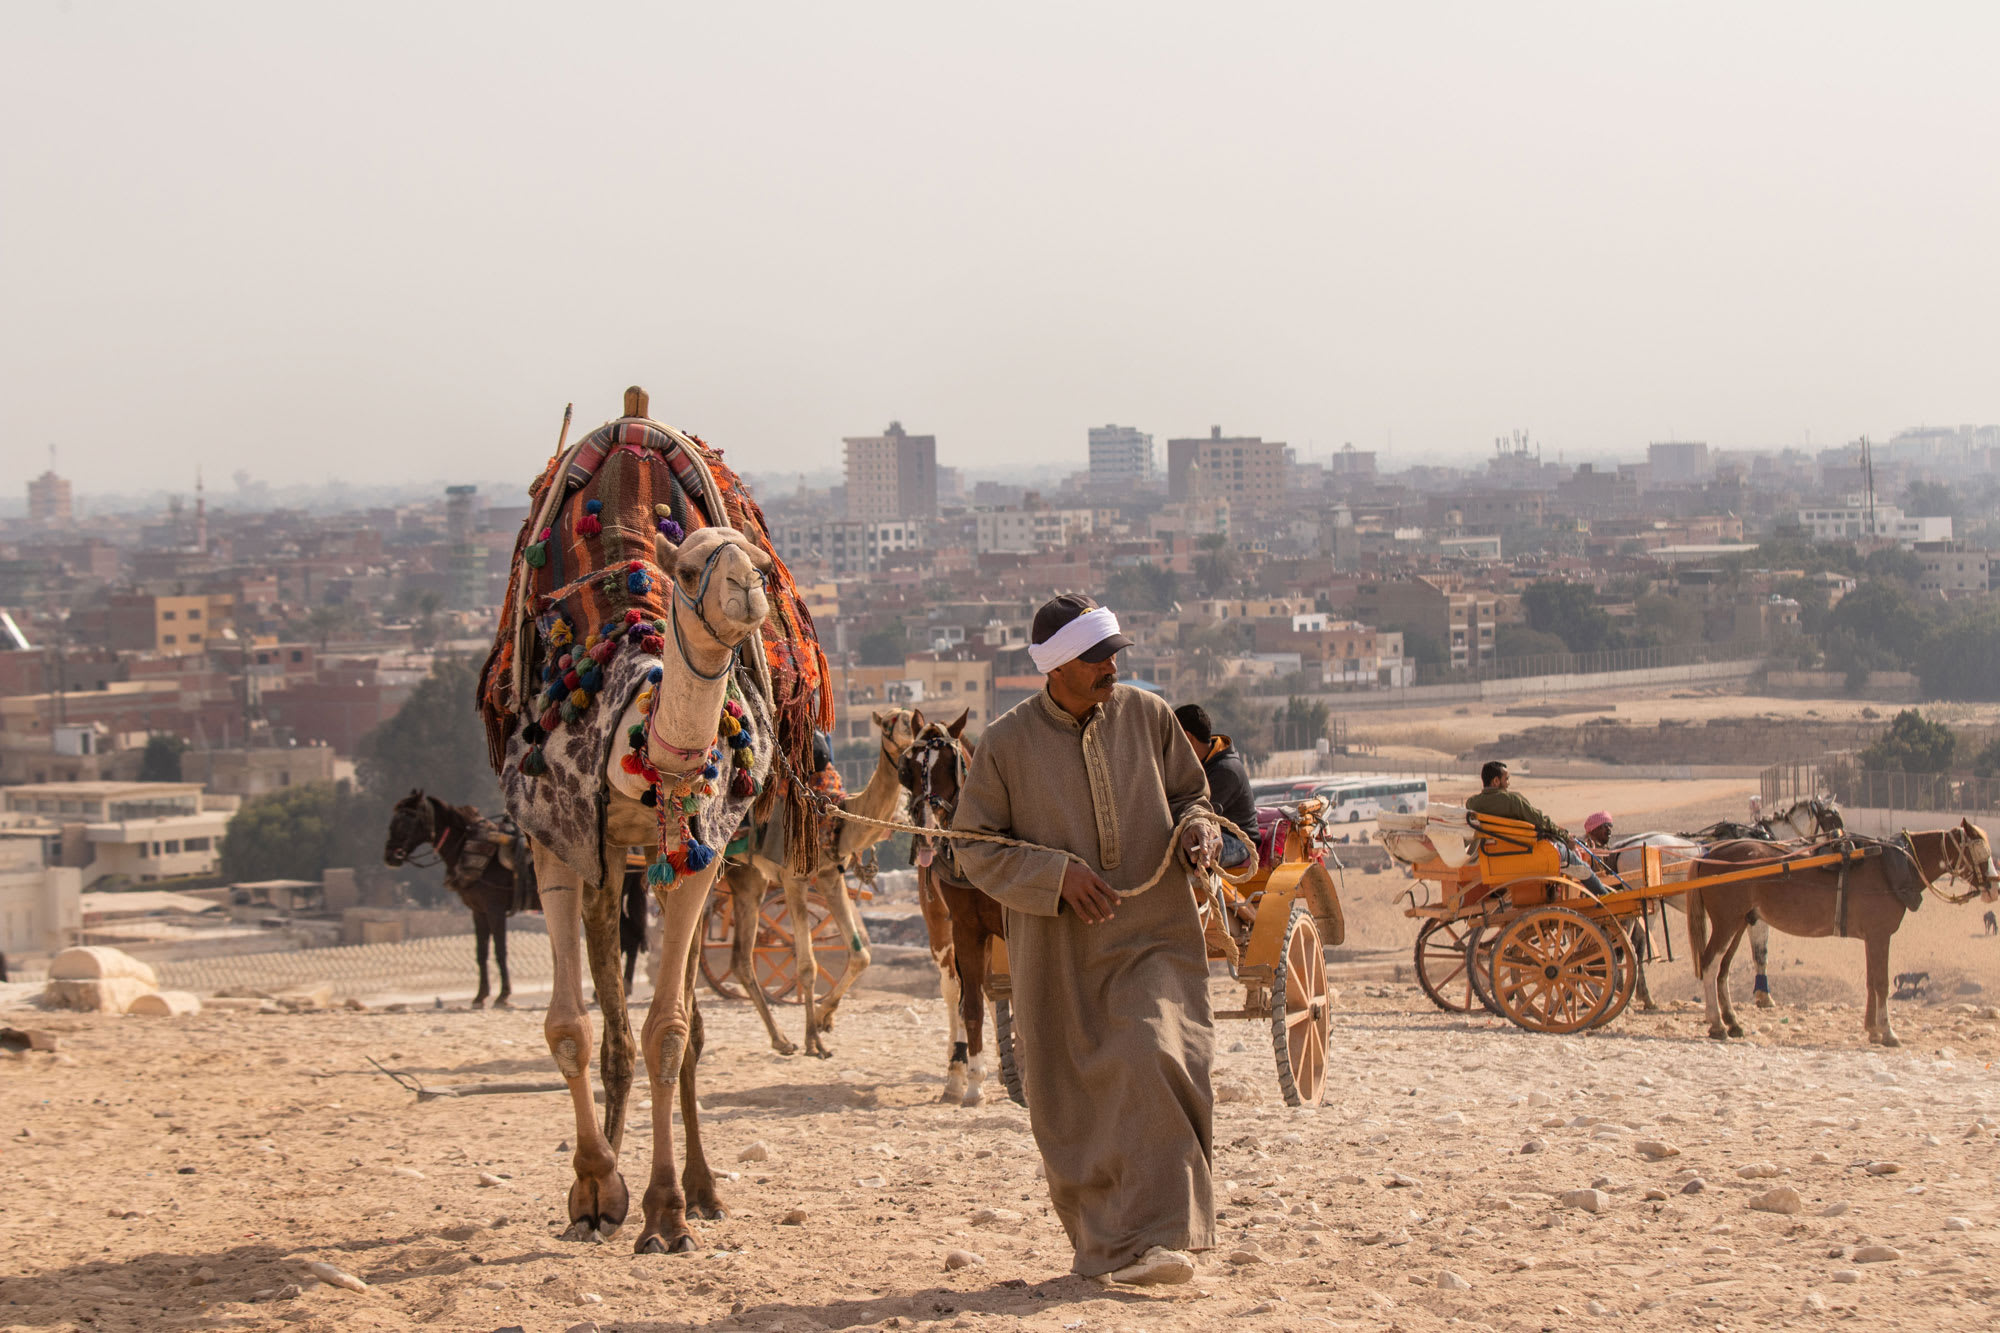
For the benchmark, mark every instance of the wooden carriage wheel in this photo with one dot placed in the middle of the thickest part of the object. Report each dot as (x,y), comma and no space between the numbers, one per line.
(774,957)
(1554,970)
(1443,971)
(1301,1018)
(1479,942)
(1623,954)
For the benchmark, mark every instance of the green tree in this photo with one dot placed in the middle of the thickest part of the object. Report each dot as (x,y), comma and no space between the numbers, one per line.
(295,833)
(1893,562)
(1141,587)
(1931,499)
(1986,764)
(882,647)
(1216,568)
(1520,641)
(1881,613)
(1913,744)
(1570,612)
(1962,661)
(1299,725)
(162,760)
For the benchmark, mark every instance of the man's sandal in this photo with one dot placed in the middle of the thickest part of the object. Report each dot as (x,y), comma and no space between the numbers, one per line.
(1158,1266)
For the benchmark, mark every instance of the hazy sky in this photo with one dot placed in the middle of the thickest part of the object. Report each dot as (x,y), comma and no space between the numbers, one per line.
(381,241)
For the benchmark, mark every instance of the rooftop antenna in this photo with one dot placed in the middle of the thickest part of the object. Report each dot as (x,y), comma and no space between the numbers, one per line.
(1868,482)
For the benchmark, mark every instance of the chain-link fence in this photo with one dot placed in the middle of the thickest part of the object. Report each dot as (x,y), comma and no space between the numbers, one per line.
(1851,785)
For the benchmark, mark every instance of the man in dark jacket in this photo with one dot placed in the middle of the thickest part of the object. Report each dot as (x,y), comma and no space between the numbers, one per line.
(1228,781)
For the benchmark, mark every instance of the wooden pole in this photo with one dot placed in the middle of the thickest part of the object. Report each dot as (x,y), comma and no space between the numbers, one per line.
(636,402)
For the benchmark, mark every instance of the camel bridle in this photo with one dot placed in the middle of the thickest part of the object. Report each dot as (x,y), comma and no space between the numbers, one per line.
(693,601)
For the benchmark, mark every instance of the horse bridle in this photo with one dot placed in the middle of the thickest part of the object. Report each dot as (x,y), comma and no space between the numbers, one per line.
(1963,867)
(693,603)
(430,839)
(930,749)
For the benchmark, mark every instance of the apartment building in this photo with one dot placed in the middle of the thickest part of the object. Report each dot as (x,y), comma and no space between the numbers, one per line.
(1463,622)
(891,476)
(1030,529)
(1250,472)
(1953,569)
(1121,458)
(939,683)
(129,832)
(846,548)
(1851,522)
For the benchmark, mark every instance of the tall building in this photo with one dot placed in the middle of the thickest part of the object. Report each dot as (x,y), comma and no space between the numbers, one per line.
(1245,470)
(465,560)
(1121,457)
(49,504)
(891,476)
(1679,462)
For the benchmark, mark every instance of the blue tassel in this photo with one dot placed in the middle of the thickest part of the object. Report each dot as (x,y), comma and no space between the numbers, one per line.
(534,763)
(637,583)
(654,675)
(590,678)
(711,772)
(660,874)
(699,855)
(593,506)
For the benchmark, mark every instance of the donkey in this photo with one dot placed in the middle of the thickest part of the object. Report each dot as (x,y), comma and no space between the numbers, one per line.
(962,921)
(1865,898)
(484,864)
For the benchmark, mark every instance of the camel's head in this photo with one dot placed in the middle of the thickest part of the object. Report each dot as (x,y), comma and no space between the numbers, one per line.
(410,827)
(718,574)
(1977,860)
(899,729)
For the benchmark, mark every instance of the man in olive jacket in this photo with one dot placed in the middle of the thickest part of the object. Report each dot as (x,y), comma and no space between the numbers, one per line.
(1496,799)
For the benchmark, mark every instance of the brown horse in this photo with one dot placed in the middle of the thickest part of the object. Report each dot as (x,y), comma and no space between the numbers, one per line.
(933,768)
(1864,897)
(481,865)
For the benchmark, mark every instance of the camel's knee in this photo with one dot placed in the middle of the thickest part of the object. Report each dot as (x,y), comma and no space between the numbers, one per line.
(568,1036)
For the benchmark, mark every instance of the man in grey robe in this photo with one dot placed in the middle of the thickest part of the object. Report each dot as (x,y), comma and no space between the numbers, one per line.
(1110,993)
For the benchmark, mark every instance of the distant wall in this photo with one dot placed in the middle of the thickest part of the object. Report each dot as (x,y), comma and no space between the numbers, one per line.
(1534,687)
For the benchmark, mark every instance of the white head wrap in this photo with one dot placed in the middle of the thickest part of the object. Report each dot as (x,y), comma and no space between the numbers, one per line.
(1074,639)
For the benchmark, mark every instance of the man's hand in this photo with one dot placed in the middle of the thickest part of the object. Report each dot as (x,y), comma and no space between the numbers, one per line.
(1089,897)
(1201,844)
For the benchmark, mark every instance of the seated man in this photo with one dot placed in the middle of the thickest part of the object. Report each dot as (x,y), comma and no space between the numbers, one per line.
(1495,799)
(1597,828)
(1228,782)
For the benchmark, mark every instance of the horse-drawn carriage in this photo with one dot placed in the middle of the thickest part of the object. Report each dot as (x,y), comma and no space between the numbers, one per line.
(1510,931)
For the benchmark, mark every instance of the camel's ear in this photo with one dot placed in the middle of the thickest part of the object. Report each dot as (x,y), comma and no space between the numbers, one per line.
(916,720)
(959,725)
(665,553)
(760,559)
(882,719)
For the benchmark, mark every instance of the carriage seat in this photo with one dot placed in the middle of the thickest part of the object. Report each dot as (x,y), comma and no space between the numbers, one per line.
(1510,849)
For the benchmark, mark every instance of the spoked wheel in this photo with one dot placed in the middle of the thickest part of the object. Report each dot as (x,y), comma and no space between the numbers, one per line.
(1300,1015)
(774,958)
(1003,1041)
(1626,956)
(1479,943)
(1554,970)
(1442,971)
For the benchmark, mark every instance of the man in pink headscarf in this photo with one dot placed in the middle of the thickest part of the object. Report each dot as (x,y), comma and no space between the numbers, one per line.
(1597,828)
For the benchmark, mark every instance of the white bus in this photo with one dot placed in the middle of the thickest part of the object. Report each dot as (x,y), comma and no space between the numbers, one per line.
(1349,800)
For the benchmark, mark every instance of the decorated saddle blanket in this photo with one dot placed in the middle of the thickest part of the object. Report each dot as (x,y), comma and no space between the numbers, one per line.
(585,627)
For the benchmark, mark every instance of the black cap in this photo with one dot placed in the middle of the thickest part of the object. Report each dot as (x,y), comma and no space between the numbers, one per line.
(1059,611)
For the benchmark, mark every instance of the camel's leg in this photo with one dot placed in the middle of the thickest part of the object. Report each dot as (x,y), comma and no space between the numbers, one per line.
(746,901)
(1760,953)
(970,949)
(840,905)
(499,913)
(664,1041)
(615,1060)
(697,1181)
(1878,990)
(481,937)
(800,916)
(597,1200)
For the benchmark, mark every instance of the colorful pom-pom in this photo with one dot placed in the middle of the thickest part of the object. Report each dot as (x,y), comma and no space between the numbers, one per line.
(650,797)
(590,678)
(571,680)
(534,763)
(654,675)
(711,772)
(741,785)
(652,645)
(593,506)
(660,874)
(699,855)
(733,708)
(580,700)
(638,583)
(631,763)
(731,727)
(570,712)
(536,554)
(532,734)
(741,759)
(550,718)
(590,525)
(672,531)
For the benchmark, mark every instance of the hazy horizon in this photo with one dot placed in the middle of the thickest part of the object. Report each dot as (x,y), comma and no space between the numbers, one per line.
(318,243)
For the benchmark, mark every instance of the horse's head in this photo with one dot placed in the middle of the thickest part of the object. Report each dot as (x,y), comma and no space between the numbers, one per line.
(933,770)
(899,731)
(1973,860)
(718,577)
(411,825)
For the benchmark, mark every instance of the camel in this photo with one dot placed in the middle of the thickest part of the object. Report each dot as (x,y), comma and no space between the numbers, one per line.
(1865,897)
(480,866)
(655,723)
(750,875)
(961,921)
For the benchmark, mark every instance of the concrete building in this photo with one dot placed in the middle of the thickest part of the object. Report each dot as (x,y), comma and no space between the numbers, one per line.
(169,626)
(1464,622)
(246,773)
(40,903)
(128,832)
(1679,463)
(1953,569)
(1030,528)
(1121,458)
(939,683)
(892,475)
(1249,472)
(1850,522)
(845,549)
(49,501)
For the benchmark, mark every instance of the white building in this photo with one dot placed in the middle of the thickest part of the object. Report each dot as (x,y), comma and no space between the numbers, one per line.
(1121,457)
(40,904)
(1030,529)
(844,547)
(1849,522)
(131,832)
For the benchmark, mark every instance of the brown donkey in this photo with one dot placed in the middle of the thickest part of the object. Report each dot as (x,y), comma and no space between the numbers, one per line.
(933,767)
(1866,898)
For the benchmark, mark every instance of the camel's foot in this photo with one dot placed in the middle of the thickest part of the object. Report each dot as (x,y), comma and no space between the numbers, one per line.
(706,1205)
(1764,1000)
(597,1206)
(652,1243)
(666,1230)
(816,1047)
(1735,1028)
(503,1002)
